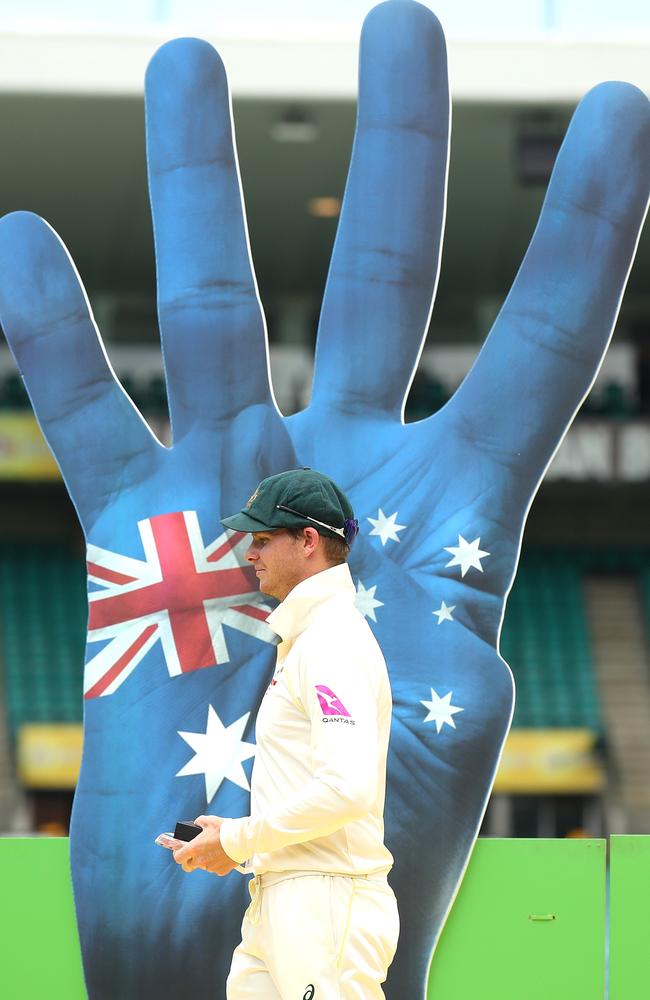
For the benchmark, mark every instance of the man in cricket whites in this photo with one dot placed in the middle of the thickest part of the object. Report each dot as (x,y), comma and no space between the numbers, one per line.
(323,920)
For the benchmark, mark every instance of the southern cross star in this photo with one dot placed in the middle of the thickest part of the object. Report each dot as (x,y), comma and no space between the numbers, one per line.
(386,527)
(441,711)
(444,613)
(218,753)
(466,554)
(366,601)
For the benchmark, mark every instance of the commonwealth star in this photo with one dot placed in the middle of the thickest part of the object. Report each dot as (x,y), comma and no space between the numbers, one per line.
(218,753)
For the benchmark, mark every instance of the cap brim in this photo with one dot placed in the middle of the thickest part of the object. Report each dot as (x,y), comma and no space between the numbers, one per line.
(244,522)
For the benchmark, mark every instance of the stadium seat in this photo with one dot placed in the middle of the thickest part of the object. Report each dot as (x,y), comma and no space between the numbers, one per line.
(42,624)
(545,640)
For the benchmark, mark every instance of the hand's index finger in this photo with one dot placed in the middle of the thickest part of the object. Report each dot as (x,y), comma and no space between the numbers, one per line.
(211,321)
(548,341)
(184,853)
(88,420)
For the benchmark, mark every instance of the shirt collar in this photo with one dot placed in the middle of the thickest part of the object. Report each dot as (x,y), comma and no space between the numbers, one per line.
(292,616)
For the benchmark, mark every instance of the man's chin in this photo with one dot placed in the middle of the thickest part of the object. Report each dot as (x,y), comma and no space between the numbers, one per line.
(264,590)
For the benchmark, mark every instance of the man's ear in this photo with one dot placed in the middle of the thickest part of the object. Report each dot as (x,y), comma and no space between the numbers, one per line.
(311,539)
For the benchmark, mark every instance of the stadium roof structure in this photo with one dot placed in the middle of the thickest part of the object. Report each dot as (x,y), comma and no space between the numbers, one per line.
(50,59)
(73,152)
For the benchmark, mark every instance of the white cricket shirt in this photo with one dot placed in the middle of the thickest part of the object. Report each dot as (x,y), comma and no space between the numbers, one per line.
(319,777)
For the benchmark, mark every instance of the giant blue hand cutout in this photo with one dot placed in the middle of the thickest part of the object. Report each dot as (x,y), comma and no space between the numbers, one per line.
(441,503)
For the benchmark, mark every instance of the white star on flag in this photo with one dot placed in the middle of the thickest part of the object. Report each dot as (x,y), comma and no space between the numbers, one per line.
(444,613)
(441,711)
(366,602)
(386,527)
(466,554)
(218,753)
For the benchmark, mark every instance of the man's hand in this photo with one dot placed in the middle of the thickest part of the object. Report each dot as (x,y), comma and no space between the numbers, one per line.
(205,851)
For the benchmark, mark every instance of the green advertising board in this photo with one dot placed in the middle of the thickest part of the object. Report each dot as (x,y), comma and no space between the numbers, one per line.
(528,923)
(629,918)
(40,949)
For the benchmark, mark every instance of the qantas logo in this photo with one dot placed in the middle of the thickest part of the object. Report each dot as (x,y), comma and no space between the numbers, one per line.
(331,705)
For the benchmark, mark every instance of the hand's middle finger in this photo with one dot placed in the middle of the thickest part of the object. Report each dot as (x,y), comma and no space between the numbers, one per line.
(385,260)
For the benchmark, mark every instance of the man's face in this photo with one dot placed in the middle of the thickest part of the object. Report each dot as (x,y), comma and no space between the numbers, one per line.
(276,558)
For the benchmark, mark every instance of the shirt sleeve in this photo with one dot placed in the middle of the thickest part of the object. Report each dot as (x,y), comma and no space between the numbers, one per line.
(335,688)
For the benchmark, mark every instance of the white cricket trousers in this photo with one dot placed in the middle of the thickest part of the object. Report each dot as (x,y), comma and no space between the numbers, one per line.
(309,936)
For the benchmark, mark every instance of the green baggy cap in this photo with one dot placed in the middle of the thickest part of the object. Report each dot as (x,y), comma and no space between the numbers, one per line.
(294,499)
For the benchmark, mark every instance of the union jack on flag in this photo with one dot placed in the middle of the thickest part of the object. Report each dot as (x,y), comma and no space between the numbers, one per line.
(181,594)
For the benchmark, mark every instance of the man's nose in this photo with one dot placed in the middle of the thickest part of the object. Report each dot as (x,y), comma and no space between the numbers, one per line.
(250,554)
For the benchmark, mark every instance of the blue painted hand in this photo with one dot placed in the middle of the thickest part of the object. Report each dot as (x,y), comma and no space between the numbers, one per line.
(441,502)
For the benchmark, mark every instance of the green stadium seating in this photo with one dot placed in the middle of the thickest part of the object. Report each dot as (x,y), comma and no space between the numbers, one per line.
(426,396)
(154,397)
(42,625)
(545,636)
(13,395)
(545,639)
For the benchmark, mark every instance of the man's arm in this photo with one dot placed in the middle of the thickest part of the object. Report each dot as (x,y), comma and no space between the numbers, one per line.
(344,752)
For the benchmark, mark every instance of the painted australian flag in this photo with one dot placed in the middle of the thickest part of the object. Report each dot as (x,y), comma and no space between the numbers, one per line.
(181,595)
